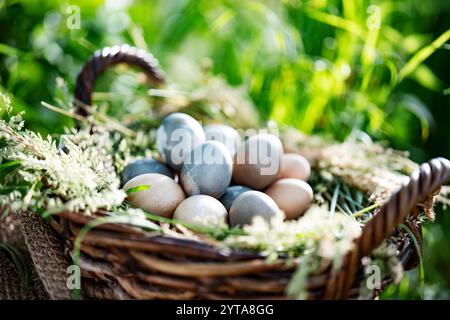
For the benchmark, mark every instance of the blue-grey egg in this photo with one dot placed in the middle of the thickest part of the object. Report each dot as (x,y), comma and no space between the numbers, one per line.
(251,204)
(207,169)
(178,134)
(225,134)
(231,193)
(257,161)
(142,166)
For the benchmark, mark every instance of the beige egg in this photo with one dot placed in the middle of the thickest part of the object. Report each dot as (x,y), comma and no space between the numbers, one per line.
(201,210)
(257,161)
(293,196)
(294,166)
(162,197)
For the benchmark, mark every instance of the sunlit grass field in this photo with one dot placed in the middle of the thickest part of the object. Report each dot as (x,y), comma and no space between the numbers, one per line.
(327,67)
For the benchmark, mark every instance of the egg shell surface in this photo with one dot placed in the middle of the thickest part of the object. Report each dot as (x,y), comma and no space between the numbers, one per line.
(257,161)
(177,135)
(207,169)
(201,210)
(251,204)
(293,196)
(162,197)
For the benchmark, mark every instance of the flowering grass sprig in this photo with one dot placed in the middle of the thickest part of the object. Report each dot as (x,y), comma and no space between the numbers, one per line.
(70,176)
(314,232)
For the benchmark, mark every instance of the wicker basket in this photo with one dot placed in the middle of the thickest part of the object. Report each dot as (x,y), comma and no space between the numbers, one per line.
(123,262)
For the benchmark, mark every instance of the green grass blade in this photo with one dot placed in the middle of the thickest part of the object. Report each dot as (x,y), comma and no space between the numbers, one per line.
(355,203)
(217,233)
(421,266)
(427,79)
(9,51)
(336,21)
(367,209)
(62,111)
(223,19)
(423,54)
(9,164)
(420,110)
(137,189)
(334,200)
(368,57)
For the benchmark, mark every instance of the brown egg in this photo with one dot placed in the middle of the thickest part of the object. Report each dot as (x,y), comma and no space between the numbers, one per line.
(162,197)
(294,166)
(201,210)
(257,161)
(293,196)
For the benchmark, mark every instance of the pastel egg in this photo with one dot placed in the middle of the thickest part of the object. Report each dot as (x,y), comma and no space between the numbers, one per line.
(207,169)
(225,134)
(231,193)
(162,197)
(143,166)
(257,161)
(293,196)
(251,204)
(294,166)
(201,210)
(178,134)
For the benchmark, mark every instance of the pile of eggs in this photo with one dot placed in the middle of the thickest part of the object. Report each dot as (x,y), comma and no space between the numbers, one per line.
(209,176)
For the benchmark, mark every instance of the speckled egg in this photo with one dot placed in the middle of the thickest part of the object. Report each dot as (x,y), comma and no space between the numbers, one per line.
(178,134)
(207,169)
(251,204)
(162,197)
(257,161)
(231,193)
(201,210)
(293,196)
(225,134)
(294,166)
(143,166)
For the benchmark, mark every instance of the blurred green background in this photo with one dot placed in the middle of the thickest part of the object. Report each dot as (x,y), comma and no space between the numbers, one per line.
(329,67)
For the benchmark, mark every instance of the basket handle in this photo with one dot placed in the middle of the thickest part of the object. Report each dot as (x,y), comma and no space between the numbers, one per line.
(106,57)
(420,185)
